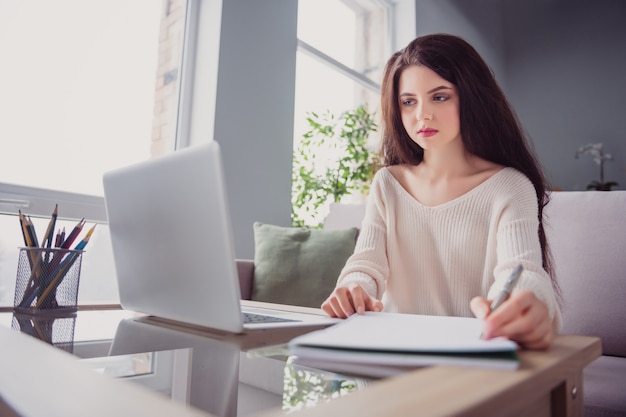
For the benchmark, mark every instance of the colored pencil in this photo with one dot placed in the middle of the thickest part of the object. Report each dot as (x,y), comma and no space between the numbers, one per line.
(47,240)
(81,245)
(73,234)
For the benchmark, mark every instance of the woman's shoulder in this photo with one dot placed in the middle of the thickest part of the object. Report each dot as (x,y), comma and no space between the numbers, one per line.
(386,170)
(397,172)
(385,174)
(511,188)
(392,177)
(513,179)
(387,184)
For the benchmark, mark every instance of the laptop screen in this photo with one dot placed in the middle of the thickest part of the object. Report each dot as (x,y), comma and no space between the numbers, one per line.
(172,240)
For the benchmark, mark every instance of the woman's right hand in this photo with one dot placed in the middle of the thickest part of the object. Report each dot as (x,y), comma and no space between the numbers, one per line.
(345,301)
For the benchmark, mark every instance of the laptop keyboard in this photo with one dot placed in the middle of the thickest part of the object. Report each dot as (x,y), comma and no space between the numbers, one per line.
(251,318)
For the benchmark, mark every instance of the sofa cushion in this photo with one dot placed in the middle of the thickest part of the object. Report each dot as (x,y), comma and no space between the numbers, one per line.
(298,266)
(587,234)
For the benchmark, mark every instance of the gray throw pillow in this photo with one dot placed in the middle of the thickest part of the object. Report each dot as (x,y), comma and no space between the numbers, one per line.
(298,266)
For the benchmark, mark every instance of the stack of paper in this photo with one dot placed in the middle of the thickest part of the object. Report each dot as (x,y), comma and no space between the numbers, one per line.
(384,344)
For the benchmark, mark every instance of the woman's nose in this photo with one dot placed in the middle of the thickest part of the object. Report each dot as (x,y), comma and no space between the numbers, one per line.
(422,113)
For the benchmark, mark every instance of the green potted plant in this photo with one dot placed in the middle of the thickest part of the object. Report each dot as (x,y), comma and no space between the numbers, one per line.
(596,150)
(332,160)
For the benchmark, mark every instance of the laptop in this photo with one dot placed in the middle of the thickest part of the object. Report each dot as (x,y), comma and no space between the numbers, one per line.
(173,245)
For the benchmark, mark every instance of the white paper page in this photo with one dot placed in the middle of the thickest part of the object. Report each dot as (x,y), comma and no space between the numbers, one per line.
(406,332)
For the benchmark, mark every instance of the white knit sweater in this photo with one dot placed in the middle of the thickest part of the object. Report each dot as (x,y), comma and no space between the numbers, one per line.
(434,260)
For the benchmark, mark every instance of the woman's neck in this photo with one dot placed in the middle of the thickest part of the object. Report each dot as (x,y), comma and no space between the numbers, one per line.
(449,163)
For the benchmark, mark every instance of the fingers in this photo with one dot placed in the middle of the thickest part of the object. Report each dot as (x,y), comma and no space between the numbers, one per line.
(373,304)
(541,338)
(345,301)
(522,318)
(339,304)
(480,307)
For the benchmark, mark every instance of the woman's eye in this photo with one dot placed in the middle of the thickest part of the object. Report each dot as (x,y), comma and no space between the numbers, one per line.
(440,98)
(408,102)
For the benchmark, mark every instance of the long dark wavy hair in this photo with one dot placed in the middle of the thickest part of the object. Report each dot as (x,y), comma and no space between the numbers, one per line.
(489,127)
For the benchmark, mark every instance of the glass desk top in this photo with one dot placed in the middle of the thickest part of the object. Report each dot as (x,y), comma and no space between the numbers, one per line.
(226,375)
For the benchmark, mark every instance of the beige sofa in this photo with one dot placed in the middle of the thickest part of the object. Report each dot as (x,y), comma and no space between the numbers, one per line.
(587,234)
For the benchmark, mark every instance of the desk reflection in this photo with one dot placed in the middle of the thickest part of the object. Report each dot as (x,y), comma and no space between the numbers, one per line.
(216,375)
(55,330)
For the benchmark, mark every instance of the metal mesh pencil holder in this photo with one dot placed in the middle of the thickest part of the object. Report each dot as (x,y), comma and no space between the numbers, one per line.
(47,281)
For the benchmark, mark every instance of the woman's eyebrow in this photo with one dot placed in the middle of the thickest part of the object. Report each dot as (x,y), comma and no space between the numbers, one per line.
(432,90)
(441,87)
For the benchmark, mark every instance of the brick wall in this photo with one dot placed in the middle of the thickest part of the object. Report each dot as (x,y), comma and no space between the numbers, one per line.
(167,77)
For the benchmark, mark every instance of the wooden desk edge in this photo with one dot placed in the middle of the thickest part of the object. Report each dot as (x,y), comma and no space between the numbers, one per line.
(477,392)
(28,362)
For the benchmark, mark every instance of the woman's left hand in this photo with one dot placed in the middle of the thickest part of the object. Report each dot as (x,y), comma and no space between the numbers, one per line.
(522,318)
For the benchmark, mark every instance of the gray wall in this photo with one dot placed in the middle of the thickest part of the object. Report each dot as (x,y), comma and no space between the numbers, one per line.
(566,72)
(562,64)
(254,113)
(477,21)
(244,100)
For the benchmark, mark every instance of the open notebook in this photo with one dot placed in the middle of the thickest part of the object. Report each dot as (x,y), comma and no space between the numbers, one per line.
(384,344)
(173,246)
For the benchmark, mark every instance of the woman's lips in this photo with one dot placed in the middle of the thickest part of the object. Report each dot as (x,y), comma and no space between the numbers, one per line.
(426,133)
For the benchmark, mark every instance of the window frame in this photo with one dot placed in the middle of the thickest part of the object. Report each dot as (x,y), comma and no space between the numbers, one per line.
(304,47)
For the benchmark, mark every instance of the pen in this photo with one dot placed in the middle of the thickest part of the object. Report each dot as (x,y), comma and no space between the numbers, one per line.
(508,287)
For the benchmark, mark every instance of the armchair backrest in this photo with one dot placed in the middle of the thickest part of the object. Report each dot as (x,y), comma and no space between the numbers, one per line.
(342,216)
(586,231)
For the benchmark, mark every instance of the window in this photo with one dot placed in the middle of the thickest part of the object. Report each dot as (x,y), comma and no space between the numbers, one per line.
(340,67)
(91,86)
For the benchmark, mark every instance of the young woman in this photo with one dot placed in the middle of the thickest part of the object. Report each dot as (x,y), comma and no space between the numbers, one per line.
(458,205)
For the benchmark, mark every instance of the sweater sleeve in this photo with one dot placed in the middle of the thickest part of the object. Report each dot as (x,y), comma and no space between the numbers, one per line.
(368,265)
(518,243)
